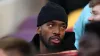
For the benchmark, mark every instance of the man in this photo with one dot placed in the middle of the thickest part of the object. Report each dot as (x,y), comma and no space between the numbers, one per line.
(10,46)
(52,23)
(94,4)
(89,44)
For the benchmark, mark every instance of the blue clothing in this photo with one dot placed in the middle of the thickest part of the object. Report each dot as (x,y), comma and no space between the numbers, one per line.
(80,24)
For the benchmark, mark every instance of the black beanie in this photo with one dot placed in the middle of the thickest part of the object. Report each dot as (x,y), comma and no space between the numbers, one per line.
(51,11)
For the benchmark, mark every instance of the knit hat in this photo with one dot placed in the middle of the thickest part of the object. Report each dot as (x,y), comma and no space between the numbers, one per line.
(51,11)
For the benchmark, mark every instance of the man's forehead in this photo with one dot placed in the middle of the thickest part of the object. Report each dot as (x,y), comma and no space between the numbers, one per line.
(96,7)
(56,21)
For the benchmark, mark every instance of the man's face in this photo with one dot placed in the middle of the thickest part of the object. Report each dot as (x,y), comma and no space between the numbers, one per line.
(52,33)
(95,13)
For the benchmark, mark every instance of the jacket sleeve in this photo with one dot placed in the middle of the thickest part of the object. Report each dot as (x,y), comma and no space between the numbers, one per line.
(80,24)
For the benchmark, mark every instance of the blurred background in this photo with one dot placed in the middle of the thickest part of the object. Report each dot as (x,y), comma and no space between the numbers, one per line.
(18,17)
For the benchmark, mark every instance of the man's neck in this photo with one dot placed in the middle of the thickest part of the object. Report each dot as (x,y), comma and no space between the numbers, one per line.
(43,49)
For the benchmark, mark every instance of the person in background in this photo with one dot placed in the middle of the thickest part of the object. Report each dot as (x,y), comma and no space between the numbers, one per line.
(89,45)
(86,17)
(51,36)
(71,5)
(10,46)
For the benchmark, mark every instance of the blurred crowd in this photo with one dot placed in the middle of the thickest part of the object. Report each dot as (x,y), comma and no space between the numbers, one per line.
(49,27)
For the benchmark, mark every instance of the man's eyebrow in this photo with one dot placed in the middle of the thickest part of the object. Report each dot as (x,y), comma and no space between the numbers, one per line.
(93,11)
(63,23)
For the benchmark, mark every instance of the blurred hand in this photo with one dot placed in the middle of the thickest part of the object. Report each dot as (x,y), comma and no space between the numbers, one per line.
(2,53)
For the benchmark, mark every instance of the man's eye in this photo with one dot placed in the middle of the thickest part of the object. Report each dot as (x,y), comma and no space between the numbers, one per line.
(50,25)
(94,13)
(63,27)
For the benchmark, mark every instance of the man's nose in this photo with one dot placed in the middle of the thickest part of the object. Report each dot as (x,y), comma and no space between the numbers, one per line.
(56,31)
(91,18)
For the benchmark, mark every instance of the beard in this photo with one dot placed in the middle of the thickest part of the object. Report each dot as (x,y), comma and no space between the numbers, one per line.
(52,48)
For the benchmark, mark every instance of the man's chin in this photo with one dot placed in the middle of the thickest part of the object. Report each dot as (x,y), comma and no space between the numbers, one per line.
(53,46)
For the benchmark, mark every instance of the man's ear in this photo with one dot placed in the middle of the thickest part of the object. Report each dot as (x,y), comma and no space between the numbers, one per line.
(38,30)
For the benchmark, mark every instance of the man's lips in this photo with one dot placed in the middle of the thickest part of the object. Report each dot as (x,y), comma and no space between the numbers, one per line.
(55,40)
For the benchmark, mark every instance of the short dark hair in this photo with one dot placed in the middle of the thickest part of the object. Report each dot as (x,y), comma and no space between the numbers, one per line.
(10,43)
(94,2)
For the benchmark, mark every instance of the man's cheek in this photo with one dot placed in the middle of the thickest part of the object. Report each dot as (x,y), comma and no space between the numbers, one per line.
(62,35)
(45,36)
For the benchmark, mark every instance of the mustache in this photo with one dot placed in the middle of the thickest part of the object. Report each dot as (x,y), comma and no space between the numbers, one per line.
(55,37)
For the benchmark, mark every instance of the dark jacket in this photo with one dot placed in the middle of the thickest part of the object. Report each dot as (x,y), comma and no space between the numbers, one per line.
(68,43)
